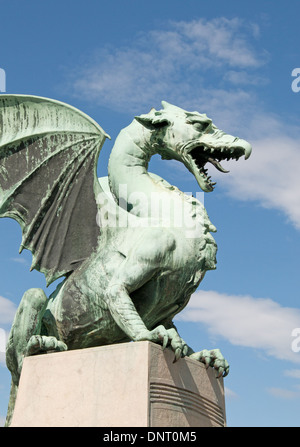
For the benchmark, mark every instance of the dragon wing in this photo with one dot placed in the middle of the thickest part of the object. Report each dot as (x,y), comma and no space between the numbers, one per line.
(48,182)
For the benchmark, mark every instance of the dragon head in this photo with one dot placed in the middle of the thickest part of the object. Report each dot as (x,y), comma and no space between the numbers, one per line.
(193,139)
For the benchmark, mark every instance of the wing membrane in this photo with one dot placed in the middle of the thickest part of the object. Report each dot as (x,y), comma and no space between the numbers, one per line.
(48,181)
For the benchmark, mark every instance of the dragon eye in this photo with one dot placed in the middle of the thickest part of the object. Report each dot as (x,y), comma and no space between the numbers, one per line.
(161,123)
(200,126)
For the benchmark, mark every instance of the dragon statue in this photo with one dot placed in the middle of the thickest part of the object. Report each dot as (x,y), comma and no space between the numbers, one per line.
(128,267)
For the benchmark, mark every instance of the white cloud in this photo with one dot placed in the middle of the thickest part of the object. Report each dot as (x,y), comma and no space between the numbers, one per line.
(294,373)
(3,340)
(230,394)
(7,313)
(270,176)
(211,66)
(258,323)
(283,393)
(174,64)
(20,260)
(244,78)
(221,40)
(7,310)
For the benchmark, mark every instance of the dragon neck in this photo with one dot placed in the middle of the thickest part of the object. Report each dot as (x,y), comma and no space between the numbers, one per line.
(129,180)
(144,194)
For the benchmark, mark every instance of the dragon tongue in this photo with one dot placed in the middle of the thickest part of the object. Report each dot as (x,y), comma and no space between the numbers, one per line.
(217,164)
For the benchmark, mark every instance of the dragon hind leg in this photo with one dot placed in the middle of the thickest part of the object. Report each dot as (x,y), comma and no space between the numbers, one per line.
(27,322)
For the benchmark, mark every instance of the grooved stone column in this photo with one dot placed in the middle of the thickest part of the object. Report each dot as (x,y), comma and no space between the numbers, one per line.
(125,385)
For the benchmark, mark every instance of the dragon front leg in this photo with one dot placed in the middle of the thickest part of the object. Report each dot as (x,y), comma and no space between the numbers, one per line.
(127,318)
(137,269)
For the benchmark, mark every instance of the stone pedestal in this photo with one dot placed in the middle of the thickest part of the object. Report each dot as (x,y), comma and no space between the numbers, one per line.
(125,385)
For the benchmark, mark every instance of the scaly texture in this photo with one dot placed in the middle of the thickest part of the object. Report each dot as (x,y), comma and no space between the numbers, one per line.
(133,248)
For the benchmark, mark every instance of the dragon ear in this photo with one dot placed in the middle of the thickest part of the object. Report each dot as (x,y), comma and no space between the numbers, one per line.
(166,105)
(145,120)
(152,122)
(170,108)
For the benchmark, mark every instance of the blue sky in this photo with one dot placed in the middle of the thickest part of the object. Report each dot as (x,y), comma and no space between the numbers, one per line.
(233,61)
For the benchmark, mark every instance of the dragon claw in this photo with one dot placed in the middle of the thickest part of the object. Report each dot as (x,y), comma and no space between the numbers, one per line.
(221,371)
(213,358)
(38,344)
(178,352)
(165,342)
(166,337)
(206,361)
(185,350)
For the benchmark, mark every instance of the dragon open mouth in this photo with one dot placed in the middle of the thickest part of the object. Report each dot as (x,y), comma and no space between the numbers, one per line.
(202,154)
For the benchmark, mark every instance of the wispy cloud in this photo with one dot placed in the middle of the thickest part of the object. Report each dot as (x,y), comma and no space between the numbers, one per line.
(20,260)
(284,393)
(270,176)
(258,323)
(213,66)
(175,64)
(7,310)
(230,394)
(7,313)
(244,78)
(294,373)
(219,41)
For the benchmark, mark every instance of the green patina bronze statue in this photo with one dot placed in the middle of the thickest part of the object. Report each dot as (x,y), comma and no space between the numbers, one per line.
(131,247)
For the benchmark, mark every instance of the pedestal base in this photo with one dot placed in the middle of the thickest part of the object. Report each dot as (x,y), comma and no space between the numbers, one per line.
(125,385)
